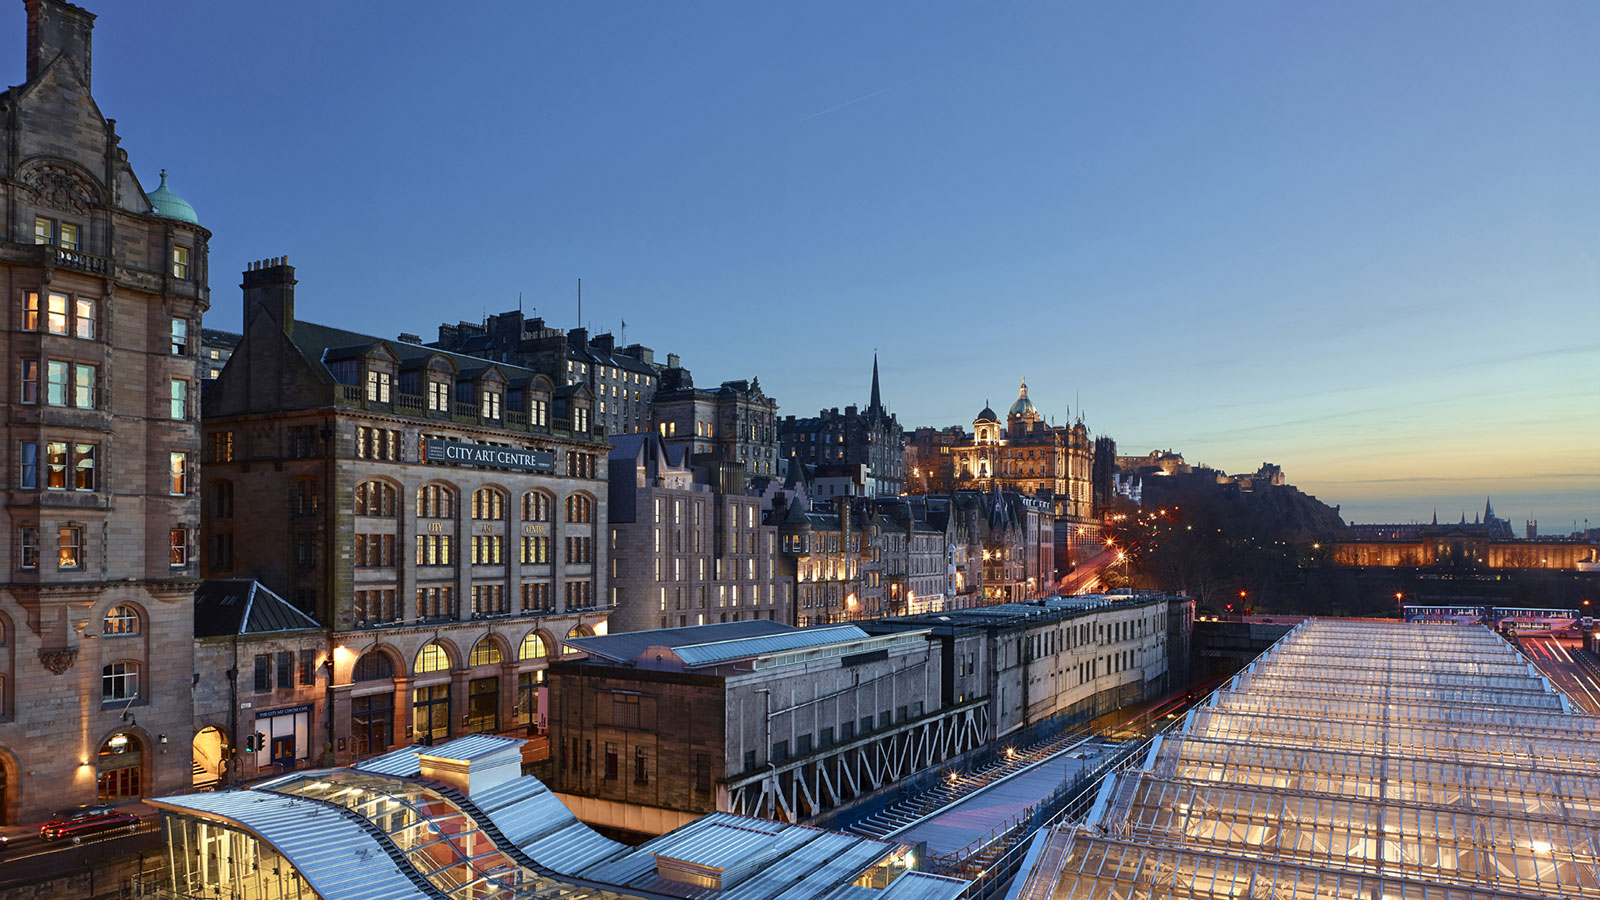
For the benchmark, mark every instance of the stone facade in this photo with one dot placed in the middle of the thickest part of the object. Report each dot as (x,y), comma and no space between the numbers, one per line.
(442,516)
(104,295)
(872,438)
(688,545)
(737,422)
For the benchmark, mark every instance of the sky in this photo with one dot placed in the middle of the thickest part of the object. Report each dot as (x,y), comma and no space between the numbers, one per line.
(1360,239)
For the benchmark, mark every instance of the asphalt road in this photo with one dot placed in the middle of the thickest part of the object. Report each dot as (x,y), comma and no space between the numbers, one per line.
(1569,668)
(27,856)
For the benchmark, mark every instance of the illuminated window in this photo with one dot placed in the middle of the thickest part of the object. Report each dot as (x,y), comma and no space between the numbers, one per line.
(121,620)
(180,262)
(180,336)
(489,504)
(180,398)
(432,658)
(119,682)
(69,547)
(533,647)
(485,653)
(179,542)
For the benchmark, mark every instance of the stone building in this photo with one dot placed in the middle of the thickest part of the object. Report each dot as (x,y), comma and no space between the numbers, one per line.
(216,346)
(872,438)
(737,422)
(443,516)
(106,285)
(929,459)
(655,728)
(689,545)
(622,380)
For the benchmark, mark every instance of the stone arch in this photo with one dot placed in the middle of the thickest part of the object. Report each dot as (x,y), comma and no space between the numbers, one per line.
(113,600)
(544,637)
(396,487)
(210,747)
(122,786)
(507,652)
(505,499)
(452,654)
(10,786)
(398,664)
(61,184)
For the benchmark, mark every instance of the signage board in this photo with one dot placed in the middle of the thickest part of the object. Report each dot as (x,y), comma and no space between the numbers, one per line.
(490,455)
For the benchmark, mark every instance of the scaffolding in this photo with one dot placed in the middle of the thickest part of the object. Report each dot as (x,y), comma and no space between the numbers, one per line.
(1352,761)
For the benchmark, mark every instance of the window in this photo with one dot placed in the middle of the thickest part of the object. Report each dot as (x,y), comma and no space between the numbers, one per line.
(30,381)
(222,551)
(121,619)
(488,503)
(611,761)
(483,705)
(376,606)
(302,441)
(780,751)
(178,467)
(28,462)
(435,501)
(580,551)
(304,498)
(641,766)
(436,602)
(180,398)
(491,404)
(44,230)
(580,509)
(285,670)
(537,507)
(69,547)
(222,446)
(372,666)
(83,318)
(56,316)
(488,550)
(119,682)
(580,594)
(435,550)
(527,704)
(485,653)
(30,311)
(538,413)
(68,237)
(378,384)
(580,418)
(180,262)
(83,380)
(702,773)
(377,443)
(375,498)
(430,712)
(308,667)
(305,552)
(374,551)
(537,597)
(178,539)
(263,673)
(432,658)
(489,600)
(439,396)
(533,647)
(55,386)
(29,558)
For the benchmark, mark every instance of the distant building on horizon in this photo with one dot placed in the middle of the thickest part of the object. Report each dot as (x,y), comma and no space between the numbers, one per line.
(871,438)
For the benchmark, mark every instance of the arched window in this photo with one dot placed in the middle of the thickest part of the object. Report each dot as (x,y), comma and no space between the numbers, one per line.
(579,631)
(436,501)
(375,498)
(122,620)
(488,503)
(532,647)
(432,658)
(119,682)
(580,509)
(485,653)
(537,506)
(120,767)
(374,665)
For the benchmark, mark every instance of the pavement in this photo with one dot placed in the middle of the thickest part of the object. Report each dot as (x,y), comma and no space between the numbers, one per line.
(1569,667)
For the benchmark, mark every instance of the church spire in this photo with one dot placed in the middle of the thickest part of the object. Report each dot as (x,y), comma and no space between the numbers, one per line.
(876,405)
(1488,509)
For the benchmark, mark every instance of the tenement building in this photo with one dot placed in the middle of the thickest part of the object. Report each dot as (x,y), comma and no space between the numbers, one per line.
(737,422)
(105,285)
(443,516)
(656,728)
(689,545)
(872,438)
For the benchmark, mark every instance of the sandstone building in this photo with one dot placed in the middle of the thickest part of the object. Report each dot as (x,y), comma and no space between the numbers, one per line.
(105,285)
(442,516)
(872,438)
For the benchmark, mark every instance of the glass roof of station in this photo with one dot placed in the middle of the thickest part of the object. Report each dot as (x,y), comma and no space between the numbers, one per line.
(1346,763)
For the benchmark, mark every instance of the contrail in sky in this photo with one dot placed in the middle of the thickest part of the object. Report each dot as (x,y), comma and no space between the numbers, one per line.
(859,99)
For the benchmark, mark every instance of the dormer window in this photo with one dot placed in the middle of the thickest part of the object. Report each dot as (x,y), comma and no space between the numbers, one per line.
(539,413)
(490,403)
(580,418)
(438,395)
(378,386)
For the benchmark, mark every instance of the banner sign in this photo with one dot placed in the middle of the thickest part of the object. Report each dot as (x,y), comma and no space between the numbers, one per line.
(490,455)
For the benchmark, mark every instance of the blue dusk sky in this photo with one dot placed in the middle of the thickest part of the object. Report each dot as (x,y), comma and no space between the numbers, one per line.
(1360,240)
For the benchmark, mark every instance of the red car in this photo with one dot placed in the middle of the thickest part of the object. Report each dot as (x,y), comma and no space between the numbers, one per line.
(76,824)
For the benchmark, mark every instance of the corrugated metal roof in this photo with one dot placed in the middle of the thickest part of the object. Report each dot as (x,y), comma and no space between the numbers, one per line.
(473,746)
(402,762)
(336,856)
(923,886)
(744,648)
(627,646)
(535,819)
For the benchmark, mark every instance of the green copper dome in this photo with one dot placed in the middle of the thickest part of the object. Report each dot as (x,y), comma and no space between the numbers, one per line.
(171,205)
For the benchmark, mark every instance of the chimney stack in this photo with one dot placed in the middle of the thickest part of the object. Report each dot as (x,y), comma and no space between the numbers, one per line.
(58,29)
(269,285)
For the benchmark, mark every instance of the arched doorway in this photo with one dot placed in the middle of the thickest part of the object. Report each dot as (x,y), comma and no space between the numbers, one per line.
(121,768)
(210,757)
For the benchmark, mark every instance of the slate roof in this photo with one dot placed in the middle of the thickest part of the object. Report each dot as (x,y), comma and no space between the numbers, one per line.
(226,606)
(626,646)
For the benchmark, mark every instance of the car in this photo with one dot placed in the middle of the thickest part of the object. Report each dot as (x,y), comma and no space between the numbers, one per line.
(79,822)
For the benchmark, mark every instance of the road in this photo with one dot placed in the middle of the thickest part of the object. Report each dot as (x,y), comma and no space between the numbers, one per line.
(1086,577)
(1569,668)
(26,856)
